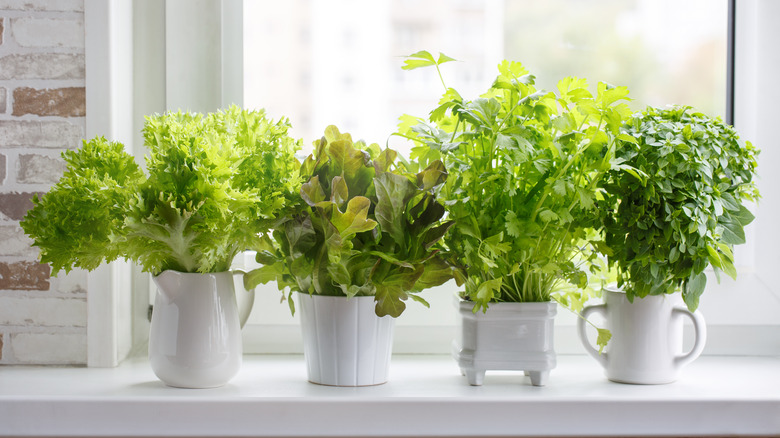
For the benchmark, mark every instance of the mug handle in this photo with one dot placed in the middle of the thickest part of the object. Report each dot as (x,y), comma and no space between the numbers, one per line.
(601,309)
(700,328)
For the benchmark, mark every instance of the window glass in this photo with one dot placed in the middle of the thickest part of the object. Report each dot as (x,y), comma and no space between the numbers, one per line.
(338,61)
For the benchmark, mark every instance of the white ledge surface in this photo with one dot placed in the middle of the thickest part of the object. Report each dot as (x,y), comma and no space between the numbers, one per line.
(426,396)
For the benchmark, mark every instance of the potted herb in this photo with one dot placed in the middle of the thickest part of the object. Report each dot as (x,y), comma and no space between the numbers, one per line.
(525,167)
(680,210)
(212,184)
(361,243)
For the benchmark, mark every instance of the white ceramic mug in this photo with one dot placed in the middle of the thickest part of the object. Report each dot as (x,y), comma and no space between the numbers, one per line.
(647,337)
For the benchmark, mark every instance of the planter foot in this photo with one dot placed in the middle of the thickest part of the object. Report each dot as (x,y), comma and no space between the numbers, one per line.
(538,378)
(475,377)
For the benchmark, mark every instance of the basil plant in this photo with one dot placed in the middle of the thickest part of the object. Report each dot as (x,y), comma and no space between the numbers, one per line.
(364,226)
(682,208)
(525,171)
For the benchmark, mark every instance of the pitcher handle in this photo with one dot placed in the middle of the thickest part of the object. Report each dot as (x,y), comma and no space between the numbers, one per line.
(601,309)
(700,329)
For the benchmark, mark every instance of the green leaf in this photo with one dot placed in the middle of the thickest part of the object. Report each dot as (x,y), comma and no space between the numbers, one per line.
(733,233)
(300,236)
(714,257)
(628,138)
(312,192)
(355,218)
(420,300)
(548,215)
(486,291)
(419,59)
(340,275)
(261,275)
(513,226)
(391,259)
(433,235)
(444,58)
(433,175)
(607,94)
(265,258)
(391,291)
(389,300)
(603,338)
(728,267)
(694,287)
(743,216)
(436,273)
(393,192)
(385,159)
(339,192)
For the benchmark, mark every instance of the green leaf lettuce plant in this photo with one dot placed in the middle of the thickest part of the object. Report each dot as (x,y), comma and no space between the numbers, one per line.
(365,226)
(682,208)
(525,167)
(212,184)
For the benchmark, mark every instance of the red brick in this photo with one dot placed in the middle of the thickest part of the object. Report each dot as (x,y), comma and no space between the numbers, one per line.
(1,42)
(15,205)
(24,276)
(64,102)
(2,168)
(1,346)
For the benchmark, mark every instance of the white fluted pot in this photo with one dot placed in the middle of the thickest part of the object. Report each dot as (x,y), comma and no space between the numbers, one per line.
(195,337)
(344,342)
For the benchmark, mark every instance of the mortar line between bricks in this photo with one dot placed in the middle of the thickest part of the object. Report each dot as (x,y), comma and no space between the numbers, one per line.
(65,330)
(17,187)
(42,83)
(29,13)
(15,49)
(39,294)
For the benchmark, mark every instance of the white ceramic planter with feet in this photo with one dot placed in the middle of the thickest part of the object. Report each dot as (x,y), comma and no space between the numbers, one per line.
(509,336)
(344,342)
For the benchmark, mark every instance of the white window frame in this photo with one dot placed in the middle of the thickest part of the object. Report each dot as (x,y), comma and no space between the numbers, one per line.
(741,314)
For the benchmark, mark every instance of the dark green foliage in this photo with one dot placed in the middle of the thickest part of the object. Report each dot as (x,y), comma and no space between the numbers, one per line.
(682,207)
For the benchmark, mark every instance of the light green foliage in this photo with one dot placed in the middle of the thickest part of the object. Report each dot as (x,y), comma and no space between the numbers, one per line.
(423,58)
(524,170)
(366,227)
(77,223)
(682,207)
(213,183)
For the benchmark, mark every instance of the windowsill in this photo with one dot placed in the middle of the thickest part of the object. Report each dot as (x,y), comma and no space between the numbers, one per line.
(426,396)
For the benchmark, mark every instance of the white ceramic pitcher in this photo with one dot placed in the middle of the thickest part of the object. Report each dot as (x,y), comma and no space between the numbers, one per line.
(195,338)
(647,337)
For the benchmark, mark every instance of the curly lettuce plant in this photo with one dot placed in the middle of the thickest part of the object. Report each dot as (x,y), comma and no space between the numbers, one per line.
(212,184)
(364,227)
(683,208)
(525,167)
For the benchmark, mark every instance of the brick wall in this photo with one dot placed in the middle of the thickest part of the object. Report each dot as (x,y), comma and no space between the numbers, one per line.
(42,106)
